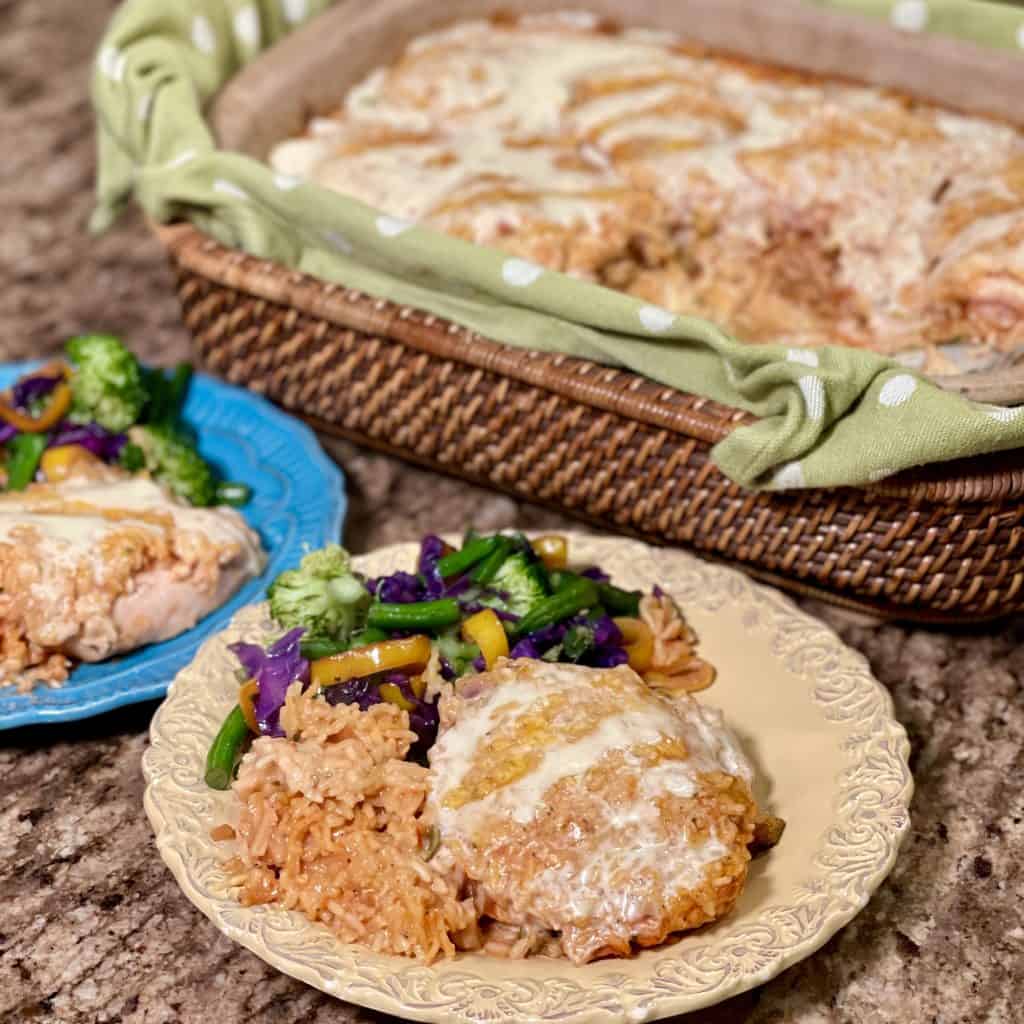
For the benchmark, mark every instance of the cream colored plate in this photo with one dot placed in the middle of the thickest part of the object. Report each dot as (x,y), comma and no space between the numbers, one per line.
(831,758)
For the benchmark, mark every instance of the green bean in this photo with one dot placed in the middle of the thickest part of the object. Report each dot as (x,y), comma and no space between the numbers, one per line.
(25,452)
(614,600)
(415,615)
(560,579)
(226,749)
(488,568)
(368,636)
(572,598)
(468,555)
(317,647)
(617,601)
(230,492)
(177,389)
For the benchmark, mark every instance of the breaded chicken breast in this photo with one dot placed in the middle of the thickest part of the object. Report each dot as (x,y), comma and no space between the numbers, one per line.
(585,809)
(93,568)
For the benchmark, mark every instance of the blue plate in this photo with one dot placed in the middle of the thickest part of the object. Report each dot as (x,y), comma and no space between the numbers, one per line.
(298,502)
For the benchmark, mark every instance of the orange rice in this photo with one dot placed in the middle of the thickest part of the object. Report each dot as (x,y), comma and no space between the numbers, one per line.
(332,824)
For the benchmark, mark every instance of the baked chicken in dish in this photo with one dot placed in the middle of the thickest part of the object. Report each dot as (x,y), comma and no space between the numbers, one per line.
(90,568)
(789,207)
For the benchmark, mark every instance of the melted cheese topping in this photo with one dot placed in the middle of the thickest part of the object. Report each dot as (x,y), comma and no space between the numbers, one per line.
(513,745)
(787,206)
(72,518)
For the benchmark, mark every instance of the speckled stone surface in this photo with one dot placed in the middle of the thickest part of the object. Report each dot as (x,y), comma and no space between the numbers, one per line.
(92,927)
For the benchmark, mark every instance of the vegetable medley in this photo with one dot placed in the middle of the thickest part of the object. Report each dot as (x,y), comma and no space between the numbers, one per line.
(103,408)
(398,638)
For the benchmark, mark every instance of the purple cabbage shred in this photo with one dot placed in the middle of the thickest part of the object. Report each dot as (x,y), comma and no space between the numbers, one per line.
(431,551)
(28,389)
(596,574)
(355,691)
(274,669)
(91,436)
(398,588)
(525,648)
(6,432)
(606,633)
(607,657)
(457,586)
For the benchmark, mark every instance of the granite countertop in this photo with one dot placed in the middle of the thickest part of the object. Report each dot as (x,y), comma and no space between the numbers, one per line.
(92,927)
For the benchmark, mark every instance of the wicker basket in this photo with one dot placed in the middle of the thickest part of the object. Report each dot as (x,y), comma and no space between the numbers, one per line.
(944,543)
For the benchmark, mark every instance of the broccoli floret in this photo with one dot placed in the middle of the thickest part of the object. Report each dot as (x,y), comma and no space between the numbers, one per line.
(132,458)
(577,643)
(174,462)
(523,580)
(323,596)
(106,387)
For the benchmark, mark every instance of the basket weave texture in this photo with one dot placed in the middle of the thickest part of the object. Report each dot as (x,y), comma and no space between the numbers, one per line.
(946,543)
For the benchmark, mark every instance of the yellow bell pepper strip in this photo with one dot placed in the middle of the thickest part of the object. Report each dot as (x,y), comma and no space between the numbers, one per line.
(638,642)
(387,656)
(393,695)
(418,685)
(58,463)
(246,696)
(60,402)
(486,631)
(552,549)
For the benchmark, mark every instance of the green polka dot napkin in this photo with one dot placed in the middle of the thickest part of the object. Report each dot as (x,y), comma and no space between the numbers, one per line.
(827,417)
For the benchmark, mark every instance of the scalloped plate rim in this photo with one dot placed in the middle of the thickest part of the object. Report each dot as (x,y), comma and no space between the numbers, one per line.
(656,1007)
(180,650)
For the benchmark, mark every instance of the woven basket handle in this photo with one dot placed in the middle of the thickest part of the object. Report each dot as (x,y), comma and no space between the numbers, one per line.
(1001,386)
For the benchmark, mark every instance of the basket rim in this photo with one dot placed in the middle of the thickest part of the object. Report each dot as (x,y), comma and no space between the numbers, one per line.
(991,478)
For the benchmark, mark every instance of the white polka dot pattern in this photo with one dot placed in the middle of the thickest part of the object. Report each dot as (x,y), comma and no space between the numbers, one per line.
(1005,414)
(286,182)
(389,227)
(656,319)
(145,106)
(247,27)
(880,474)
(203,36)
(788,476)
(520,273)
(897,390)
(909,15)
(111,62)
(813,390)
(294,10)
(1020,36)
(806,356)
